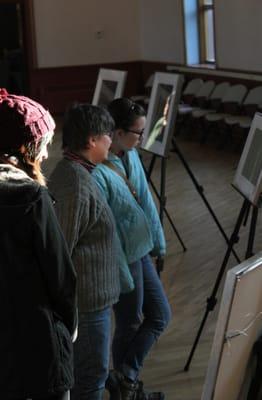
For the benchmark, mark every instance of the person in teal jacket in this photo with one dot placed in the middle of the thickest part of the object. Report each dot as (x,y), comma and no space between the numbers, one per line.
(143,314)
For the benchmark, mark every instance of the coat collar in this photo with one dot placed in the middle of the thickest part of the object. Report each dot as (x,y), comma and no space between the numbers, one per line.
(9,173)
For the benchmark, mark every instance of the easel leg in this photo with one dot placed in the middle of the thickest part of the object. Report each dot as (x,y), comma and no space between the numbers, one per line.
(150,168)
(200,190)
(246,216)
(252,232)
(162,206)
(162,190)
(211,301)
(148,175)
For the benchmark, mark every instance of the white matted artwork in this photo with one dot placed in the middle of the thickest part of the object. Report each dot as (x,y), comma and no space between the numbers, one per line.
(162,110)
(248,178)
(238,327)
(109,86)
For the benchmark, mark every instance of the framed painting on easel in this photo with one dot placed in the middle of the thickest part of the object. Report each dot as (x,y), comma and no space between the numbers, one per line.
(162,110)
(110,85)
(248,178)
(231,369)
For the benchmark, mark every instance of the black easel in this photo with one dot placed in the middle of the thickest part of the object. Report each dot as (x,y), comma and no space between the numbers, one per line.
(162,202)
(212,300)
(162,196)
(200,191)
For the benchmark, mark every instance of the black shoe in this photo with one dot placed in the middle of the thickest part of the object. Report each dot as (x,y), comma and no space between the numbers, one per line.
(120,388)
(143,394)
(128,389)
(112,385)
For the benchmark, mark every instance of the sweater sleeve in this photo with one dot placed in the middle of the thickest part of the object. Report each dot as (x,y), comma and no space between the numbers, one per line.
(148,205)
(55,263)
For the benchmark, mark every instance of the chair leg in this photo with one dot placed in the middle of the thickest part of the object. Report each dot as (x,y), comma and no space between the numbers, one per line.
(205,128)
(224,134)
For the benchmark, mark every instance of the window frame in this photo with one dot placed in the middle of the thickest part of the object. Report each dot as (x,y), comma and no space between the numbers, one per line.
(202,9)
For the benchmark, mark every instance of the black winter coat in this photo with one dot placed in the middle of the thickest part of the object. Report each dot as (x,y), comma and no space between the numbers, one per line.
(37,292)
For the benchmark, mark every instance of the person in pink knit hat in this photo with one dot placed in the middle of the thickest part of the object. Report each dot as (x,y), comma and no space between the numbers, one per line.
(37,279)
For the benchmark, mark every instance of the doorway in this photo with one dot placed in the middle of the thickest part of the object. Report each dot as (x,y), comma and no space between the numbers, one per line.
(16,38)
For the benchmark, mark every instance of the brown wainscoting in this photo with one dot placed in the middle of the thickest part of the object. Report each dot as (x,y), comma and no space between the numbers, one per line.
(150,67)
(56,88)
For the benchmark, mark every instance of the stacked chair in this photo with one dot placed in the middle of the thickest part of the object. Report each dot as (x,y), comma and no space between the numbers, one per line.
(188,95)
(214,101)
(240,124)
(230,105)
(198,101)
(187,98)
(212,106)
(143,100)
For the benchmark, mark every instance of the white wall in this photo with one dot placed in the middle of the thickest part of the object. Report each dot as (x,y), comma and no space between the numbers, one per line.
(133,30)
(239,34)
(66,31)
(162,31)
(149,30)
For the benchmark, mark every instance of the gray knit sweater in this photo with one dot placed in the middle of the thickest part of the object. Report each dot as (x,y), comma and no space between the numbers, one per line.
(89,229)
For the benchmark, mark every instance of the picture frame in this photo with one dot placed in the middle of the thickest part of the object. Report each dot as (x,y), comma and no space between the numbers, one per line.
(109,86)
(239,326)
(162,111)
(248,177)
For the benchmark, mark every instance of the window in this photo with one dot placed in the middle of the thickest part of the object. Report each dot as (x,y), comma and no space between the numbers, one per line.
(191,31)
(206,19)
(199,31)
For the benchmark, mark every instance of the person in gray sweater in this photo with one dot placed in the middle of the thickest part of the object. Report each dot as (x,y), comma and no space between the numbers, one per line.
(90,232)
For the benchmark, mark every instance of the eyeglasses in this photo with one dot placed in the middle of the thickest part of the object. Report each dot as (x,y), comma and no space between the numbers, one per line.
(139,133)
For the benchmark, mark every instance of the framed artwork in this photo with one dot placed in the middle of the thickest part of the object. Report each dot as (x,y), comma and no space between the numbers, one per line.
(109,86)
(231,369)
(248,178)
(162,110)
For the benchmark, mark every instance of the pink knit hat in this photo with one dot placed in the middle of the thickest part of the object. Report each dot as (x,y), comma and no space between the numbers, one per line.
(22,121)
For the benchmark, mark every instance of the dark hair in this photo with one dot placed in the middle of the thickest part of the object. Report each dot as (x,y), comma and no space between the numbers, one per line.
(125,112)
(83,121)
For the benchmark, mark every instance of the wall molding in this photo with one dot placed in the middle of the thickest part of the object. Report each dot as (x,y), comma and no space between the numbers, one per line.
(223,72)
(248,78)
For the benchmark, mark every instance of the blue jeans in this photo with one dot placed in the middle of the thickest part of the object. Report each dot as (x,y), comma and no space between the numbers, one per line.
(140,317)
(91,355)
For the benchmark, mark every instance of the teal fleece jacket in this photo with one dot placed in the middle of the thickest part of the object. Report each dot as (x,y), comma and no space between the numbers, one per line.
(138,223)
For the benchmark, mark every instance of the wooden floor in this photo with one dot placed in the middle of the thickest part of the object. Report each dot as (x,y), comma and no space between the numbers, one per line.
(189,276)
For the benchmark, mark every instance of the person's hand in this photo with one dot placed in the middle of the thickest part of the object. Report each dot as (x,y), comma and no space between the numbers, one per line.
(159,263)
(156,252)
